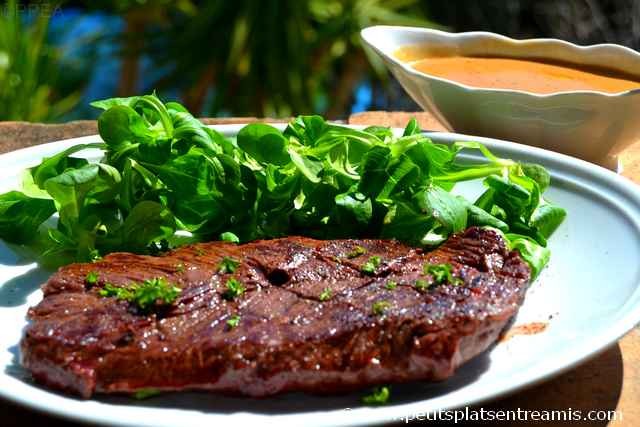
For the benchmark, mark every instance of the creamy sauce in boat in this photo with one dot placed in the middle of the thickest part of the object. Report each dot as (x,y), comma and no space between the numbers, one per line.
(515,73)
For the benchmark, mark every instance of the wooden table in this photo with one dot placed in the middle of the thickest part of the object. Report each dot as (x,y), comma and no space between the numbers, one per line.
(609,381)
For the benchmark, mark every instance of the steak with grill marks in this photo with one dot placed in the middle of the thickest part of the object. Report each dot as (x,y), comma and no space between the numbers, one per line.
(307,320)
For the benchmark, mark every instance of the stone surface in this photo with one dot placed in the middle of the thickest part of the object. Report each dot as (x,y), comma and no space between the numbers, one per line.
(16,135)
(397,119)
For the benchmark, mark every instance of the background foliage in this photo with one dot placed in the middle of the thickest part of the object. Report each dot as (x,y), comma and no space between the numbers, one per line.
(248,57)
(31,87)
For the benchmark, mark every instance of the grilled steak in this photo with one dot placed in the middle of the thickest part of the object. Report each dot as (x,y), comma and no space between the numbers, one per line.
(315,317)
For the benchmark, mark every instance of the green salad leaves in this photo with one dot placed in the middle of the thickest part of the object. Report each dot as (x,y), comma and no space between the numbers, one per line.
(166,179)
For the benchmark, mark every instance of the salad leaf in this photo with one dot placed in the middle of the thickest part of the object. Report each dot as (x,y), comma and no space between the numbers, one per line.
(534,254)
(447,210)
(480,217)
(538,174)
(546,218)
(93,182)
(55,165)
(264,143)
(412,128)
(147,222)
(353,208)
(20,216)
(122,125)
(106,104)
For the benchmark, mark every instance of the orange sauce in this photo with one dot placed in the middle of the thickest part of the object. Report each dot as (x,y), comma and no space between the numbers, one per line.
(526,329)
(529,75)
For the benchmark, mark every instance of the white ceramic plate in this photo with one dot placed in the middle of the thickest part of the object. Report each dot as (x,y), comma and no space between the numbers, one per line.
(590,289)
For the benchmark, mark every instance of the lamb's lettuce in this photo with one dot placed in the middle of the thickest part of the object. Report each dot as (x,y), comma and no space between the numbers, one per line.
(166,179)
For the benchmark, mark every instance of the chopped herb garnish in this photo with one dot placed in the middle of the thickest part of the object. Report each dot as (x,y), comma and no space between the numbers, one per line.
(379,396)
(370,266)
(441,273)
(228,265)
(235,288)
(229,237)
(421,284)
(92,278)
(325,294)
(391,285)
(110,290)
(180,268)
(146,294)
(145,393)
(233,321)
(356,252)
(379,307)
(199,251)
(94,255)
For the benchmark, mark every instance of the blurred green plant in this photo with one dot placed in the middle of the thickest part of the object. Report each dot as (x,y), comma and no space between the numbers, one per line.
(30,68)
(275,57)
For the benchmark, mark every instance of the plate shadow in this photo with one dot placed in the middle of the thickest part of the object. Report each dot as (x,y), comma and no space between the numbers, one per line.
(14,292)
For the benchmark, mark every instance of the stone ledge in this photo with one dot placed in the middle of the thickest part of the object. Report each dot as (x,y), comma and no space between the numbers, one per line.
(16,135)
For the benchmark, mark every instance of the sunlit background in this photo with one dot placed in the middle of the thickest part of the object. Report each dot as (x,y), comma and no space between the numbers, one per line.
(265,58)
